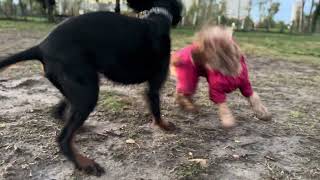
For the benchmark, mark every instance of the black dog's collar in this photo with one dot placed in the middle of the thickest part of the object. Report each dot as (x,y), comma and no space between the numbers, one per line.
(158,10)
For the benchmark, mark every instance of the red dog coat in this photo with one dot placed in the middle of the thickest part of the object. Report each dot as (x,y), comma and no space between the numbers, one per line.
(219,85)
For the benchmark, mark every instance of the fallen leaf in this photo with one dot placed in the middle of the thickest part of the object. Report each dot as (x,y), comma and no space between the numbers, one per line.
(130,141)
(203,162)
(236,156)
(2,125)
(24,166)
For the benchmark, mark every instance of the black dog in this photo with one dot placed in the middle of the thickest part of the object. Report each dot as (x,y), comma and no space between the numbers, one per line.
(125,49)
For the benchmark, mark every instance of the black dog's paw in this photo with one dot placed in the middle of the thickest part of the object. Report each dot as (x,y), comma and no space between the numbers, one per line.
(163,125)
(93,169)
(169,126)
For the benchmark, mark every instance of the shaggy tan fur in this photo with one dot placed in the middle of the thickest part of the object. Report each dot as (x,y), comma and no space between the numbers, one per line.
(186,103)
(217,49)
(226,116)
(258,108)
(173,61)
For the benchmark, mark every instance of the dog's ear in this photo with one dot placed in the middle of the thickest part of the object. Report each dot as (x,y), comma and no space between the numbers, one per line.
(176,11)
(140,5)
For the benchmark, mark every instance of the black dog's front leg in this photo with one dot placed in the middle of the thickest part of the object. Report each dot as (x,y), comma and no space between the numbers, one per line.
(154,105)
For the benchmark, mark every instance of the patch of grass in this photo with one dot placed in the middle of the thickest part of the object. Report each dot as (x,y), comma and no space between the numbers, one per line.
(133,134)
(182,37)
(275,172)
(300,48)
(189,170)
(297,114)
(303,48)
(119,156)
(113,101)
(26,25)
(296,47)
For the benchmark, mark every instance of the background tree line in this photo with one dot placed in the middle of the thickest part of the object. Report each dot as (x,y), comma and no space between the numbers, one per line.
(215,11)
(200,12)
(13,9)
(24,9)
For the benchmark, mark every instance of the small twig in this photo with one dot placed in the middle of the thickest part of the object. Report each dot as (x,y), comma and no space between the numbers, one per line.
(226,147)
(107,134)
(247,144)
(230,147)
(113,134)
(4,80)
(30,170)
(100,134)
(137,145)
(269,167)
(270,158)
(3,86)
(55,157)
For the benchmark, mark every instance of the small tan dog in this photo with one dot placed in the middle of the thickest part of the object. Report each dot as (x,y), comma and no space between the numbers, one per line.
(215,56)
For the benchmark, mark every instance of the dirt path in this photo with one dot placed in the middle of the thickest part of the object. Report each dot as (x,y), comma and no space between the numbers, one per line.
(286,148)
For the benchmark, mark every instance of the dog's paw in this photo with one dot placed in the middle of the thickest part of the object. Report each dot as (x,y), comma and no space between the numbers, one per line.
(228,124)
(169,126)
(262,113)
(163,125)
(227,121)
(264,116)
(186,104)
(191,108)
(93,169)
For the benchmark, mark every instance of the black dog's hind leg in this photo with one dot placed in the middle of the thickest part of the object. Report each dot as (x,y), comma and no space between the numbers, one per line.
(81,89)
(59,110)
(154,103)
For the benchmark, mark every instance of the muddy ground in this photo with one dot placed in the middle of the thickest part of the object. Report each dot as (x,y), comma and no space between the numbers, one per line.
(288,147)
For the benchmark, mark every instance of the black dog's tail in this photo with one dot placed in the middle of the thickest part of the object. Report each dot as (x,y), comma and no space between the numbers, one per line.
(33,53)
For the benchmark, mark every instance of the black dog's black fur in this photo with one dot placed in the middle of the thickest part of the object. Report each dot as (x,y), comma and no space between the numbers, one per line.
(125,49)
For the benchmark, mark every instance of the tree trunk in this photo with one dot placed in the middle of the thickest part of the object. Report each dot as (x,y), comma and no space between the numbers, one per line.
(4,11)
(310,16)
(8,8)
(208,14)
(117,8)
(239,9)
(249,8)
(30,5)
(292,26)
(315,17)
(23,8)
(269,16)
(49,7)
(302,16)
(297,20)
